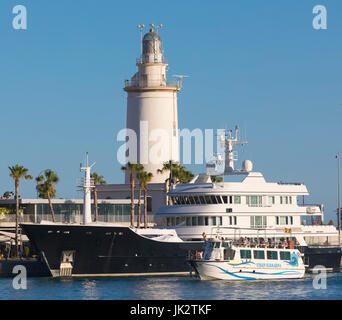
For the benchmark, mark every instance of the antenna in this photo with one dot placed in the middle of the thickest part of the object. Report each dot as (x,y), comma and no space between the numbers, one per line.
(180,78)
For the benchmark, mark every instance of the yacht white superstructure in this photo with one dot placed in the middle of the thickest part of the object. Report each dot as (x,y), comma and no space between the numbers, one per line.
(245,207)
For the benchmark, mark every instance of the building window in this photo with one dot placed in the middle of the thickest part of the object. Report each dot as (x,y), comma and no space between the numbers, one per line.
(149,204)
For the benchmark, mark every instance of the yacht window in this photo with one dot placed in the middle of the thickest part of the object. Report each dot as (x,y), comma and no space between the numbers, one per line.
(272,255)
(290,200)
(229,254)
(177,221)
(208,200)
(259,254)
(197,200)
(200,221)
(237,199)
(258,222)
(235,218)
(245,254)
(202,200)
(173,221)
(220,221)
(311,220)
(213,221)
(291,220)
(192,200)
(188,221)
(217,244)
(224,198)
(230,199)
(283,220)
(271,200)
(194,221)
(168,221)
(213,199)
(186,200)
(218,199)
(206,221)
(254,201)
(230,220)
(277,220)
(285,255)
(229,210)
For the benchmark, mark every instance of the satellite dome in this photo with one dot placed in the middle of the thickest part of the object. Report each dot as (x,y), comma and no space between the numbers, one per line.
(247,166)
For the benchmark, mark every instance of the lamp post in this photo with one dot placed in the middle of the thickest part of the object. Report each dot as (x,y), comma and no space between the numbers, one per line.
(338,157)
(141,27)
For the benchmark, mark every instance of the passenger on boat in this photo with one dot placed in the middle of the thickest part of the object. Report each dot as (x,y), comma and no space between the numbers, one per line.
(204,236)
(284,244)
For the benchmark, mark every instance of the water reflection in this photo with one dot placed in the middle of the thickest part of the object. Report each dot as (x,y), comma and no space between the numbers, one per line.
(172,288)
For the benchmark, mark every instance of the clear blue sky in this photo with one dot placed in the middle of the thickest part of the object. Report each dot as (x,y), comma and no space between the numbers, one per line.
(259,64)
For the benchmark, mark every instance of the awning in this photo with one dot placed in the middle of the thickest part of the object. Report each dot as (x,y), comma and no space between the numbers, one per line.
(11,235)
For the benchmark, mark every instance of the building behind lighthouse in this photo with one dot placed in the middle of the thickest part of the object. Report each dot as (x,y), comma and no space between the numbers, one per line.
(152,110)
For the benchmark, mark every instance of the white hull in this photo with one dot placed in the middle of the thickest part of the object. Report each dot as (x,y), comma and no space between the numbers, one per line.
(223,270)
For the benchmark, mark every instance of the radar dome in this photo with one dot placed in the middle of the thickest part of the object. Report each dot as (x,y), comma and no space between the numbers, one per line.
(247,166)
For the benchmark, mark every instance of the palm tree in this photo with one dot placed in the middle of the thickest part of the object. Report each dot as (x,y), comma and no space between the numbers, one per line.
(145,178)
(139,171)
(97,179)
(131,167)
(17,173)
(171,167)
(178,174)
(183,175)
(46,188)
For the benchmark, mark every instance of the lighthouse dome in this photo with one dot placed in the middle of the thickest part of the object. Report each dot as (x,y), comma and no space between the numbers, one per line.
(151,36)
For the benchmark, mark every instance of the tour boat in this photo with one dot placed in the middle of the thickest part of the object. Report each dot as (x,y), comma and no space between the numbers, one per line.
(237,260)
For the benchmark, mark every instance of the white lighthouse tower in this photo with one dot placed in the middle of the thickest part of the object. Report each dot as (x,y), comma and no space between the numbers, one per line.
(152,108)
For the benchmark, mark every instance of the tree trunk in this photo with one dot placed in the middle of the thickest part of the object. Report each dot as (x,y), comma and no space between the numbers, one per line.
(96,204)
(51,206)
(132,198)
(166,191)
(16,217)
(139,208)
(145,207)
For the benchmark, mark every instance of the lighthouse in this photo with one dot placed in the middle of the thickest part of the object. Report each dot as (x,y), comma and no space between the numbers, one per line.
(152,108)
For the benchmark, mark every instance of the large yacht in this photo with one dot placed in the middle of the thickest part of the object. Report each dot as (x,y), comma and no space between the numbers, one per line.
(105,249)
(250,207)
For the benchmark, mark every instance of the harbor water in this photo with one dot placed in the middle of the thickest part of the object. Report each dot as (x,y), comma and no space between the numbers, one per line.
(173,288)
